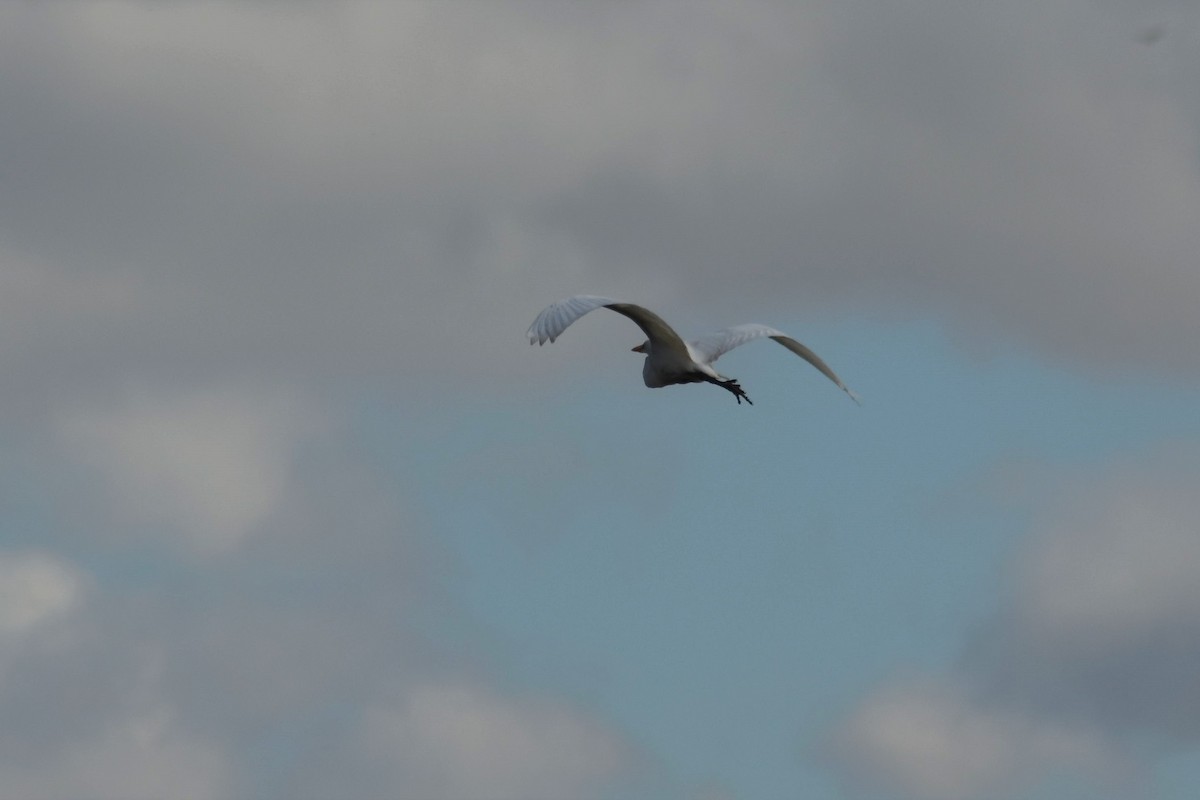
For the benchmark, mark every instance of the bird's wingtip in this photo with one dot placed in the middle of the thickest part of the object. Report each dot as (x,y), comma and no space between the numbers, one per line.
(853,395)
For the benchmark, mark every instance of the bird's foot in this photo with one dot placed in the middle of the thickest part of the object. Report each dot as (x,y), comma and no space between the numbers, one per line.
(737,390)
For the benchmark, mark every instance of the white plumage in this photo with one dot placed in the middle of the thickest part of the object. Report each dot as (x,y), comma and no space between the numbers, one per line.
(669,359)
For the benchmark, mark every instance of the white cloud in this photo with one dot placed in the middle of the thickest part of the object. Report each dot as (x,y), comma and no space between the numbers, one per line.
(141,757)
(1093,647)
(85,714)
(212,465)
(936,742)
(1122,558)
(446,742)
(35,588)
(1103,618)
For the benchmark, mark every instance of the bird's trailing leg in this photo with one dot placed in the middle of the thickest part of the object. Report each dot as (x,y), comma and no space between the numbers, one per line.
(732,385)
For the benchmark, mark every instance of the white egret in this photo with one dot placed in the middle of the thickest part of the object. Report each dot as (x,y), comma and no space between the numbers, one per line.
(669,359)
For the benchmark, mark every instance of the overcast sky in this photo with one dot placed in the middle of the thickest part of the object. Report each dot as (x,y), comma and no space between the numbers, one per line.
(290,509)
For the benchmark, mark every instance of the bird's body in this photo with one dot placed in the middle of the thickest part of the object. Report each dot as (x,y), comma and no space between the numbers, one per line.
(669,359)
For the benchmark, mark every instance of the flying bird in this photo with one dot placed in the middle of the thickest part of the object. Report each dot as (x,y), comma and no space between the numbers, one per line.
(669,359)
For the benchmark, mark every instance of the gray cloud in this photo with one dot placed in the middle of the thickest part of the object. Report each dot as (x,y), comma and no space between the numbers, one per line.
(1103,623)
(1088,667)
(288,189)
(976,163)
(210,655)
(452,741)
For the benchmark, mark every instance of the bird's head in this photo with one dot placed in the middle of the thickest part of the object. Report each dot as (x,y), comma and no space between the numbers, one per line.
(644,347)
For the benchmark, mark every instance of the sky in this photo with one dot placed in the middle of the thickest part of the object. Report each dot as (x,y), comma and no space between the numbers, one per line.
(291,509)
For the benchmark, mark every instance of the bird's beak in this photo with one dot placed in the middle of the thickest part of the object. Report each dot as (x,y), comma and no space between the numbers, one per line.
(641,348)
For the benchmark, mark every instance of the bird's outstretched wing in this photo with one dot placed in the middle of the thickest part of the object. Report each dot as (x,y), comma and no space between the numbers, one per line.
(715,345)
(557,317)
